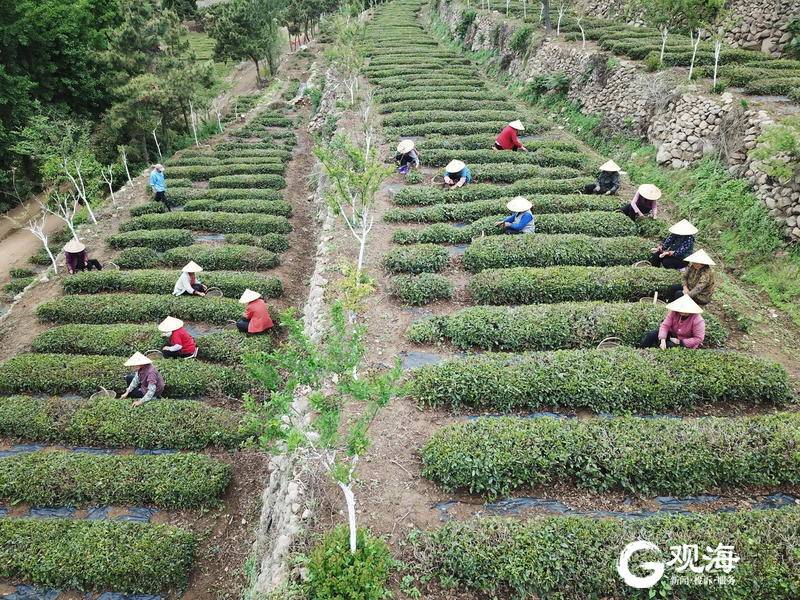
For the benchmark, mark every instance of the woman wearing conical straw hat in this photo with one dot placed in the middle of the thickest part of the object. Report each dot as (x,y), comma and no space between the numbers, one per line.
(521,219)
(698,279)
(181,344)
(78,258)
(672,252)
(683,327)
(188,283)
(508,139)
(457,174)
(607,180)
(407,156)
(144,381)
(256,317)
(644,203)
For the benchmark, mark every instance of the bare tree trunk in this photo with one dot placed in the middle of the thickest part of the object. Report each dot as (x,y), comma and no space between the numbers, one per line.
(158,146)
(695,45)
(664,35)
(717,50)
(548,26)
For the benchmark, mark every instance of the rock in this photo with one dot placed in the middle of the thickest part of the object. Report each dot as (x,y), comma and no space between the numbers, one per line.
(767,45)
(663,155)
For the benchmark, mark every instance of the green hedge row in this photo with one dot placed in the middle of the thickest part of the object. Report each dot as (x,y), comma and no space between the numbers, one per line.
(510,172)
(180,182)
(540,250)
(178,424)
(232,284)
(205,172)
(549,326)
(267,207)
(449,127)
(472,211)
(420,258)
(641,456)
(183,196)
(96,555)
(259,158)
(598,224)
(530,285)
(169,481)
(149,208)
(454,103)
(545,157)
(485,191)
(214,222)
(618,380)
(157,239)
(403,119)
(84,375)
(576,557)
(485,142)
(247,181)
(424,288)
(230,257)
(123,340)
(122,308)
(274,242)
(386,97)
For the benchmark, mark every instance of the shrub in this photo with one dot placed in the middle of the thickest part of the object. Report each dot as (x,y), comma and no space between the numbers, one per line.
(161,282)
(203,173)
(545,556)
(121,308)
(546,157)
(182,196)
(617,380)
(230,257)
(521,39)
(149,208)
(485,141)
(400,119)
(22,273)
(453,103)
(274,242)
(268,207)
(178,424)
(420,258)
(642,456)
(336,574)
(528,285)
(486,191)
(387,97)
(96,555)
(68,478)
(138,257)
(420,289)
(247,181)
(157,239)
(467,19)
(78,374)
(549,326)
(15,286)
(540,250)
(445,127)
(213,222)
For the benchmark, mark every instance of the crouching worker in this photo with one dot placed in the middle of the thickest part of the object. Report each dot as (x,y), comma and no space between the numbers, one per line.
(682,328)
(672,252)
(181,343)
(256,317)
(144,381)
(521,219)
(644,203)
(407,156)
(78,258)
(188,283)
(508,139)
(457,174)
(698,279)
(607,180)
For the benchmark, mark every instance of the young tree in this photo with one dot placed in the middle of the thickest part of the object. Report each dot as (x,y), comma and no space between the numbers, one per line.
(562,8)
(347,53)
(64,207)
(79,184)
(37,228)
(108,177)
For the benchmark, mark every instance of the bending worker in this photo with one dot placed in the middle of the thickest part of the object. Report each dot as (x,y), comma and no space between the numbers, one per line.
(188,283)
(144,381)
(644,203)
(256,317)
(158,182)
(679,244)
(78,258)
(521,219)
(607,180)
(698,279)
(508,139)
(457,174)
(181,343)
(407,156)
(683,327)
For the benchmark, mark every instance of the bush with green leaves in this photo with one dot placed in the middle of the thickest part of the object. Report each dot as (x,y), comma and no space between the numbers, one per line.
(531,285)
(545,157)
(124,339)
(521,39)
(96,555)
(643,456)
(232,284)
(541,250)
(247,181)
(149,208)
(419,258)
(453,103)
(84,375)
(267,207)
(485,142)
(542,557)
(617,380)
(336,574)
(157,239)
(213,222)
(138,257)
(424,288)
(274,242)
(427,196)
(230,257)
(387,98)
(171,481)
(183,196)
(403,119)
(122,308)
(15,286)
(178,424)
(450,127)
(206,172)
(549,326)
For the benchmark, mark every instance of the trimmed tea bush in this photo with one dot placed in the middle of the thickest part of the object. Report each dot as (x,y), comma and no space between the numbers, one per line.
(205,172)
(529,285)
(232,284)
(267,207)
(179,424)
(540,250)
(68,478)
(446,127)
(149,208)
(420,258)
(274,242)
(84,375)
(247,181)
(183,196)
(494,456)
(213,222)
(614,380)
(545,157)
(230,257)
(486,141)
(424,288)
(549,326)
(485,191)
(453,103)
(157,239)
(402,119)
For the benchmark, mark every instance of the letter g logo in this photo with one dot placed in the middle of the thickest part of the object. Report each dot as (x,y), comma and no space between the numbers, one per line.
(656,569)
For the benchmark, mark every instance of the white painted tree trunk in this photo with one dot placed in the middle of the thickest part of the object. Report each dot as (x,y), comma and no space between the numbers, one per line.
(583,33)
(695,45)
(158,147)
(717,50)
(108,177)
(508,5)
(125,163)
(350,500)
(524,9)
(541,12)
(36,227)
(561,10)
(194,124)
(664,35)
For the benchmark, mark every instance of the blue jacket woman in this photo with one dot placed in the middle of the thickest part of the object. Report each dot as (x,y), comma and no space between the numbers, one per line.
(521,219)
(457,174)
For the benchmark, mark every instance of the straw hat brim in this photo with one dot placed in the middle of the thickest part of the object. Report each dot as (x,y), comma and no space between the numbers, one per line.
(610,167)
(700,257)
(169,325)
(517,125)
(685,305)
(192,267)
(405,146)
(138,360)
(74,246)
(649,191)
(248,296)
(519,204)
(683,228)
(455,166)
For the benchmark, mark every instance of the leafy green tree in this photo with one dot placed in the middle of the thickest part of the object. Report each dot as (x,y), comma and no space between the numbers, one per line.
(185,9)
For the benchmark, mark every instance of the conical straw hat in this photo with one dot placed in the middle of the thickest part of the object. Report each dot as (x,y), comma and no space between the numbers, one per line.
(685,305)
(700,257)
(683,228)
(455,166)
(138,360)
(405,146)
(649,191)
(248,296)
(192,267)
(169,325)
(74,246)
(517,125)
(610,166)
(519,204)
